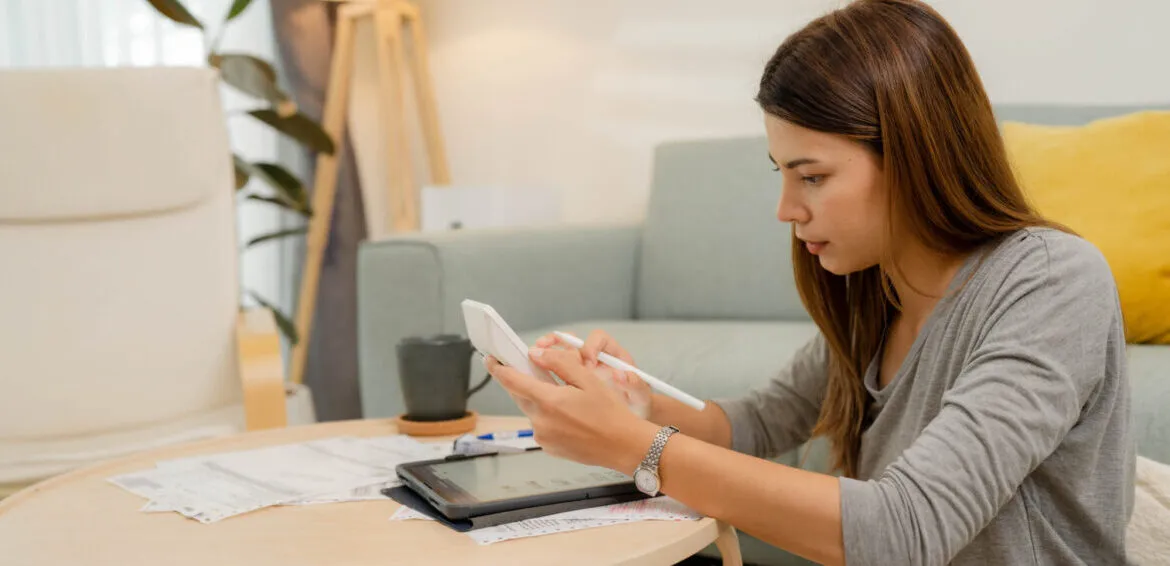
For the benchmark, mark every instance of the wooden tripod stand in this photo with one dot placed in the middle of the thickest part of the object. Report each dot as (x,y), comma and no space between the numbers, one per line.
(394,21)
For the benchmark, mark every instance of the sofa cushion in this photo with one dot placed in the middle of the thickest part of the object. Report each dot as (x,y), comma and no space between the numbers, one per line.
(712,247)
(1055,115)
(1149,377)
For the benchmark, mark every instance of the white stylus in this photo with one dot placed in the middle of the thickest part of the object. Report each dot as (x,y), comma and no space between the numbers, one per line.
(654,383)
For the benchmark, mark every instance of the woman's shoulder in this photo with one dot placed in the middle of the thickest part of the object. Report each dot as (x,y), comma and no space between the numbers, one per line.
(1034,270)
(1050,257)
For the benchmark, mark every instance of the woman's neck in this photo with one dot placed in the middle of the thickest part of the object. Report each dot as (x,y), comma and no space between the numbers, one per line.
(923,279)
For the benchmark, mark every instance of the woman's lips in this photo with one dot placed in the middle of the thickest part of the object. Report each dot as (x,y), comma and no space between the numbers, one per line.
(815,248)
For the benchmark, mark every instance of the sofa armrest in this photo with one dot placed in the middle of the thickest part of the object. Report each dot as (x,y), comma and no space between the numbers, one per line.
(413,285)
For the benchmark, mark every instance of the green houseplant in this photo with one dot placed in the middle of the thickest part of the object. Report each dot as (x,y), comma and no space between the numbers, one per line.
(262,182)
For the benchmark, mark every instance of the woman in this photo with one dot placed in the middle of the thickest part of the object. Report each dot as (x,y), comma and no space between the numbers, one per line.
(969,370)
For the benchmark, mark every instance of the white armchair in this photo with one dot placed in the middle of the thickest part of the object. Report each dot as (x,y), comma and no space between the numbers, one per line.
(120,326)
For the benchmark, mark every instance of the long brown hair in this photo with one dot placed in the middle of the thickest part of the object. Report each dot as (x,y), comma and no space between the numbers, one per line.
(893,76)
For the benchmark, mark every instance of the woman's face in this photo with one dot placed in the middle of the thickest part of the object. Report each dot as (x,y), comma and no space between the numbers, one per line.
(833,194)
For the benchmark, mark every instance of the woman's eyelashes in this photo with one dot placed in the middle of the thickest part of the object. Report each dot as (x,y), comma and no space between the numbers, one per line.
(809,180)
(813,180)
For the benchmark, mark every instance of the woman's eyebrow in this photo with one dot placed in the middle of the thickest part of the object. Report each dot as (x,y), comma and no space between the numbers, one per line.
(798,162)
(794,163)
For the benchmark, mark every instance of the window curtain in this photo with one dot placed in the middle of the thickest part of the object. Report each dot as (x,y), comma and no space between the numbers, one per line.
(304,32)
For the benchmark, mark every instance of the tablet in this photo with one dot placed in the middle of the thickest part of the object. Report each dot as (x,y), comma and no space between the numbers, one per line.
(463,487)
(491,336)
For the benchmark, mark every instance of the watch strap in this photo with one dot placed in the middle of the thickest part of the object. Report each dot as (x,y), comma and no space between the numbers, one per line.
(650,462)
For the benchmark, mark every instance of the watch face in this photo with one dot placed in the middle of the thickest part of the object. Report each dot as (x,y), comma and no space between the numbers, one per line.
(646,481)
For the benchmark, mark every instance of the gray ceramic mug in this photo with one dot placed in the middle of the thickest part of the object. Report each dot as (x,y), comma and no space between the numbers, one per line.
(435,372)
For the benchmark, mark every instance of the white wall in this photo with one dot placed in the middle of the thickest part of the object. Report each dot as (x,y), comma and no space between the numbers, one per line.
(571,96)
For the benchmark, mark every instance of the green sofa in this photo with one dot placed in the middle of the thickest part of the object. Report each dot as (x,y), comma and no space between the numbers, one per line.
(701,292)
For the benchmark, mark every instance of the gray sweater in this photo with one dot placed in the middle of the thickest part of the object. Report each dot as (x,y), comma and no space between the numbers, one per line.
(1004,438)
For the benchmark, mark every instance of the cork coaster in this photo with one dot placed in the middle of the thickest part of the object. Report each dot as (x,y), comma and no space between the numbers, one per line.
(437,428)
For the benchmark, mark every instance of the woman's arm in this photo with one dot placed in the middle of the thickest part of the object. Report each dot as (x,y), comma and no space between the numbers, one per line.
(780,415)
(710,425)
(769,420)
(794,509)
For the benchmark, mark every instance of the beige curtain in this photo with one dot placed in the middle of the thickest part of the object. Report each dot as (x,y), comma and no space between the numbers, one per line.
(304,35)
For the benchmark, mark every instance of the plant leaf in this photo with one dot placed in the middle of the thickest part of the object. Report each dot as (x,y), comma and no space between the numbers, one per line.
(175,10)
(275,235)
(243,171)
(298,127)
(286,326)
(281,202)
(290,191)
(284,182)
(237,8)
(250,75)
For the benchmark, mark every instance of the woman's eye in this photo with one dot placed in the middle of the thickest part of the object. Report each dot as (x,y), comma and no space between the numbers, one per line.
(813,180)
(775,167)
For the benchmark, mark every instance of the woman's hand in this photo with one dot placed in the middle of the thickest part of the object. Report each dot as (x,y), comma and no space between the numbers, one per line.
(634,391)
(585,420)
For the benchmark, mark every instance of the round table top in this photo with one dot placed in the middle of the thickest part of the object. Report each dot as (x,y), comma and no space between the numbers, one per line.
(80,518)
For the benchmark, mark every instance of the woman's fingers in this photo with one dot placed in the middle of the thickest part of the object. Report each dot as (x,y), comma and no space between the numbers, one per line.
(567,365)
(518,384)
(551,339)
(594,344)
(599,341)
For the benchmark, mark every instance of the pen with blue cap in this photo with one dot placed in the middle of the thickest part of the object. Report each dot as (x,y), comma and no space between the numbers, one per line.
(506,435)
(496,442)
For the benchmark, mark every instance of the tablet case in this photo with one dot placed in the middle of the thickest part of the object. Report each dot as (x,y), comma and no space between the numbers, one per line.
(406,496)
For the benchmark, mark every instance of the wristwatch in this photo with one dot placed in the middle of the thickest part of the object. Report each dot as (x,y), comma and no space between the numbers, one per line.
(646,476)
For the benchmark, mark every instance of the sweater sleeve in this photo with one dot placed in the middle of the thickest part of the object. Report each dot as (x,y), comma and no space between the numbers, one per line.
(1022,389)
(780,415)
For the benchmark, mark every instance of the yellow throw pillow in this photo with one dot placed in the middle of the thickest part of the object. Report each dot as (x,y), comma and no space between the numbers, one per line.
(1109,180)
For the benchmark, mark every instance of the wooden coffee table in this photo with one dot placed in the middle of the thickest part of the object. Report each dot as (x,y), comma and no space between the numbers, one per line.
(80,518)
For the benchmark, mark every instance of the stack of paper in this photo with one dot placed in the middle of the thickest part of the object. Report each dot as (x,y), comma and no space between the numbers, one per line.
(215,487)
(657,509)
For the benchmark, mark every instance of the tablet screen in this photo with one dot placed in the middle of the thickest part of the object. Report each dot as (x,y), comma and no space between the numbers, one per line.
(509,476)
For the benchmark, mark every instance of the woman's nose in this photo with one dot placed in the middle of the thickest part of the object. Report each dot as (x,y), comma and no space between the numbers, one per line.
(789,209)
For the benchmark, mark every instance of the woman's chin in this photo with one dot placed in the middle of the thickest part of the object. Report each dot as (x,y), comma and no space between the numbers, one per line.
(835,265)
